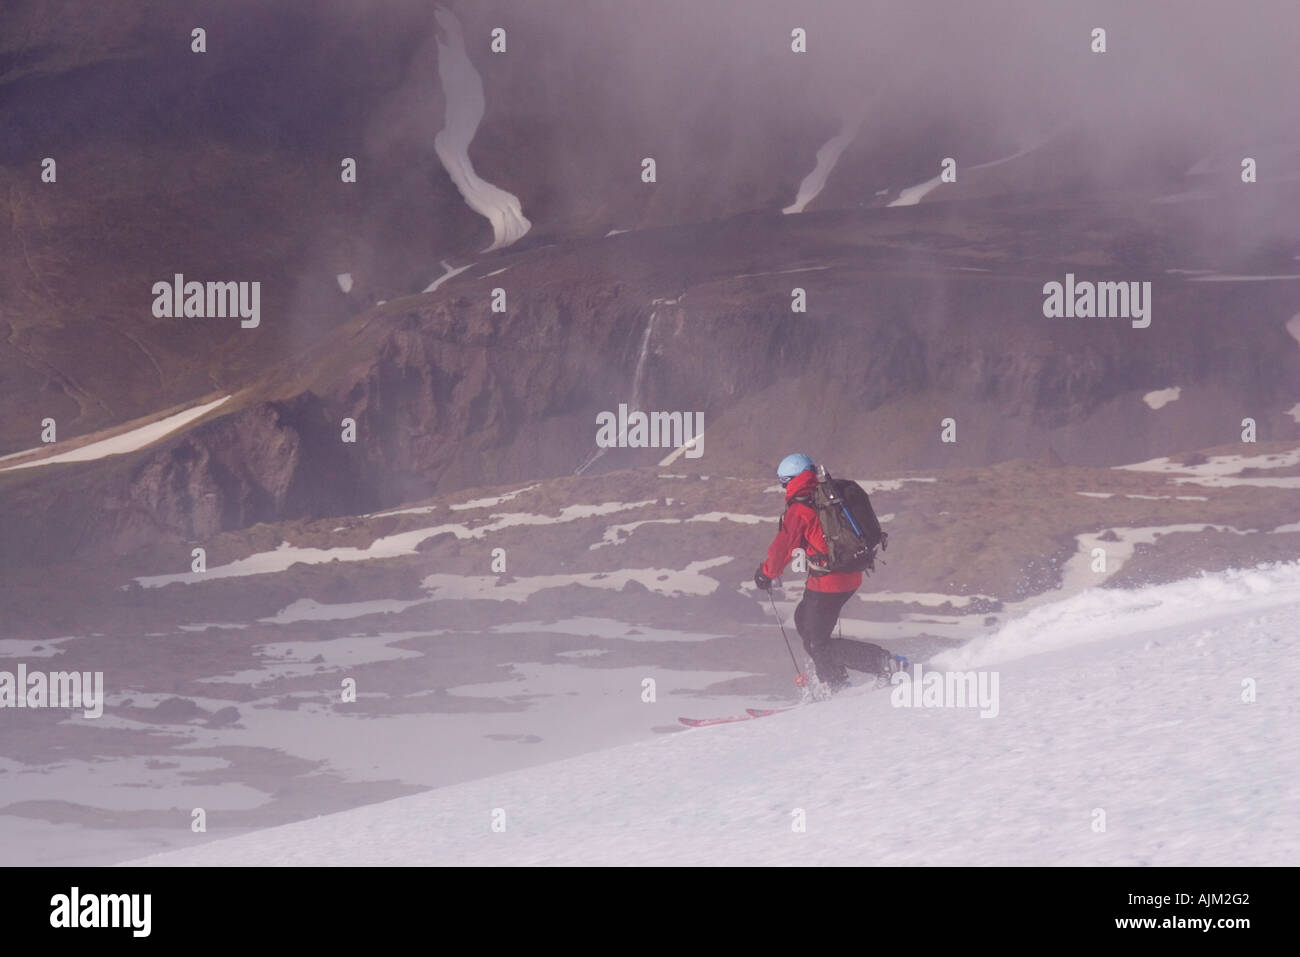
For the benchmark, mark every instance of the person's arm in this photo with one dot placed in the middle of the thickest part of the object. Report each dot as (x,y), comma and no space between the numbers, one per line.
(789,538)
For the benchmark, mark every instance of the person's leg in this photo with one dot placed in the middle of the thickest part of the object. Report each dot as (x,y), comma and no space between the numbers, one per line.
(858,655)
(814,619)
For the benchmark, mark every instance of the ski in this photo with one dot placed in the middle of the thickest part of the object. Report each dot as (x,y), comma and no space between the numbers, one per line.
(750,714)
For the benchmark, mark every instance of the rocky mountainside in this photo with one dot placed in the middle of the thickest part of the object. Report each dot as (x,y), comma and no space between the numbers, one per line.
(902,331)
(674,295)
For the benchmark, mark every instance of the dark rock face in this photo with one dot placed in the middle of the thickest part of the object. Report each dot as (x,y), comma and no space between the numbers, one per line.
(274,460)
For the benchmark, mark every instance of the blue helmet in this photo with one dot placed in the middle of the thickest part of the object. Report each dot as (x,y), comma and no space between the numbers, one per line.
(793,465)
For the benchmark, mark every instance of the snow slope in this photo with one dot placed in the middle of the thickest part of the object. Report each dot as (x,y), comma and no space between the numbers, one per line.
(1123,702)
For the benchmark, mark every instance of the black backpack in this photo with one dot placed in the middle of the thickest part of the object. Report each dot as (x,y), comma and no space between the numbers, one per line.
(849,523)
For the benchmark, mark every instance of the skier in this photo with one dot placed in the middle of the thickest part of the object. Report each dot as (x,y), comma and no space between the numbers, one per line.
(826,592)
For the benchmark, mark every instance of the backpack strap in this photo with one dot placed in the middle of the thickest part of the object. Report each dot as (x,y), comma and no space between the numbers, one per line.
(805,498)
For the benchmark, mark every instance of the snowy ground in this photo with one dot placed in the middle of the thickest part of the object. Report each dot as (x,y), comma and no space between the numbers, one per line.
(1226,471)
(1117,706)
(550,705)
(462,675)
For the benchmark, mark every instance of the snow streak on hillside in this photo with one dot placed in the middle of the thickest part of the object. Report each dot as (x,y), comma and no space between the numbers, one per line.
(1124,706)
(913,195)
(827,157)
(463,90)
(131,441)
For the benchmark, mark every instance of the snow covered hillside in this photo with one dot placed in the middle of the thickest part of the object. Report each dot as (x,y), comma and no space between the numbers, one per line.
(1146,726)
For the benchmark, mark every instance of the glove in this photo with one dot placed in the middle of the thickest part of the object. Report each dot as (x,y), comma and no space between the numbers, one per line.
(762,581)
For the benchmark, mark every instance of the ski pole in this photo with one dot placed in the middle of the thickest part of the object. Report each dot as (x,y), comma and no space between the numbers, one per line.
(800,679)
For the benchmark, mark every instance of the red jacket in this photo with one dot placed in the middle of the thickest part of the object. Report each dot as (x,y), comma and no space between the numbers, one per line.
(800,529)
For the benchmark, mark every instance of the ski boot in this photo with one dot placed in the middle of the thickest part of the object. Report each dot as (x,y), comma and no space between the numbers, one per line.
(891,666)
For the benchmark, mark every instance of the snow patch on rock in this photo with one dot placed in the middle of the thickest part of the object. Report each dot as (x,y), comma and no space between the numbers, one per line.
(465,105)
(131,441)
(827,156)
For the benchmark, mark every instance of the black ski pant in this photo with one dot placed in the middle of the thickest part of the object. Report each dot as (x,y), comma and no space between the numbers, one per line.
(815,618)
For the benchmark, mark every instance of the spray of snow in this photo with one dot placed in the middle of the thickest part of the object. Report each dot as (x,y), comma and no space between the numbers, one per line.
(463,89)
(1076,620)
(1078,575)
